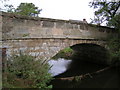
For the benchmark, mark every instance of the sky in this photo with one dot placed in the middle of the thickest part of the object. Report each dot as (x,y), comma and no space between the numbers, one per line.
(61,9)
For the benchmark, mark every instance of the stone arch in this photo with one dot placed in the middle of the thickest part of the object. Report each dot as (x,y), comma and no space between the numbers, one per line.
(71,43)
(48,47)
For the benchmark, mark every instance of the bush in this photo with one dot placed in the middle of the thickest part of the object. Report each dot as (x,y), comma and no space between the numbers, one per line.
(25,71)
(114,45)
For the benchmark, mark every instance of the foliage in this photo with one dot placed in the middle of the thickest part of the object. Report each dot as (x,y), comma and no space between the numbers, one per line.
(6,7)
(65,53)
(104,11)
(24,71)
(115,22)
(109,12)
(67,50)
(10,8)
(25,35)
(28,9)
(114,45)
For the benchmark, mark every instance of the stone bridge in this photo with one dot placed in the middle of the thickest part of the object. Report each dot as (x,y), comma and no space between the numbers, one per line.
(46,37)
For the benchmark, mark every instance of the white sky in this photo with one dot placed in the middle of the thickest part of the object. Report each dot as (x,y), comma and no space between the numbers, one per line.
(61,9)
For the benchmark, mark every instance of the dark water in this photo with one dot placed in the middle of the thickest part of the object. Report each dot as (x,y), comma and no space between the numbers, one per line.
(88,59)
(107,79)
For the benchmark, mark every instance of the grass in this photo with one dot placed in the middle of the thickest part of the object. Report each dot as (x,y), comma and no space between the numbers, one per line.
(65,53)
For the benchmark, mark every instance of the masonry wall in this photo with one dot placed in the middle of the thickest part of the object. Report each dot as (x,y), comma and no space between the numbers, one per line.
(21,27)
(46,37)
(44,48)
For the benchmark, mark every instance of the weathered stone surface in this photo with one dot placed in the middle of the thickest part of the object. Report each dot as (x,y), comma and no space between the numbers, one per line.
(45,36)
(46,47)
(48,24)
(15,26)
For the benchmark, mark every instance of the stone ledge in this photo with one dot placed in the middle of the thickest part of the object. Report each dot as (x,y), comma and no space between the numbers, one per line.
(12,15)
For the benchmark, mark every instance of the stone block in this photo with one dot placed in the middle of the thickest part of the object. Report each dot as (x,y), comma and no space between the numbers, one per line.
(60,25)
(48,24)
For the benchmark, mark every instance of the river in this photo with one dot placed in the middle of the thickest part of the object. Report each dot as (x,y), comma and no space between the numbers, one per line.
(58,66)
(63,68)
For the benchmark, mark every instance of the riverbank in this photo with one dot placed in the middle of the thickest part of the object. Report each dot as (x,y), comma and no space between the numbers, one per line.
(65,53)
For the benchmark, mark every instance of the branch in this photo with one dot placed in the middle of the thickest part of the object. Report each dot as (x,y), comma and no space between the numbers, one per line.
(116,9)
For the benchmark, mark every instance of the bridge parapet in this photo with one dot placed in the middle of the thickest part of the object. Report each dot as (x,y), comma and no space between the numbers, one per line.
(20,27)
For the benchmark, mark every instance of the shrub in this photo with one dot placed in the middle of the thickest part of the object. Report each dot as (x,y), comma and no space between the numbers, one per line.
(114,45)
(25,71)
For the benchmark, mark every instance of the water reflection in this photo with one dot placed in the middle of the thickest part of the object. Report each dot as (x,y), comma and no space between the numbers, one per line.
(58,66)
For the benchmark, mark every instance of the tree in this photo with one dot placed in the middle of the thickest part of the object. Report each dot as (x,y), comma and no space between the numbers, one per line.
(28,9)
(104,10)
(109,12)
(4,6)
(9,8)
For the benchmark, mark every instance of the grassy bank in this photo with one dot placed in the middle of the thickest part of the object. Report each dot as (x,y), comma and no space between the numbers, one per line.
(65,53)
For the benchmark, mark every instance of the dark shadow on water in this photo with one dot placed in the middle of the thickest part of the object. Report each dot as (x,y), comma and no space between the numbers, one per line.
(106,79)
(88,59)
(81,67)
